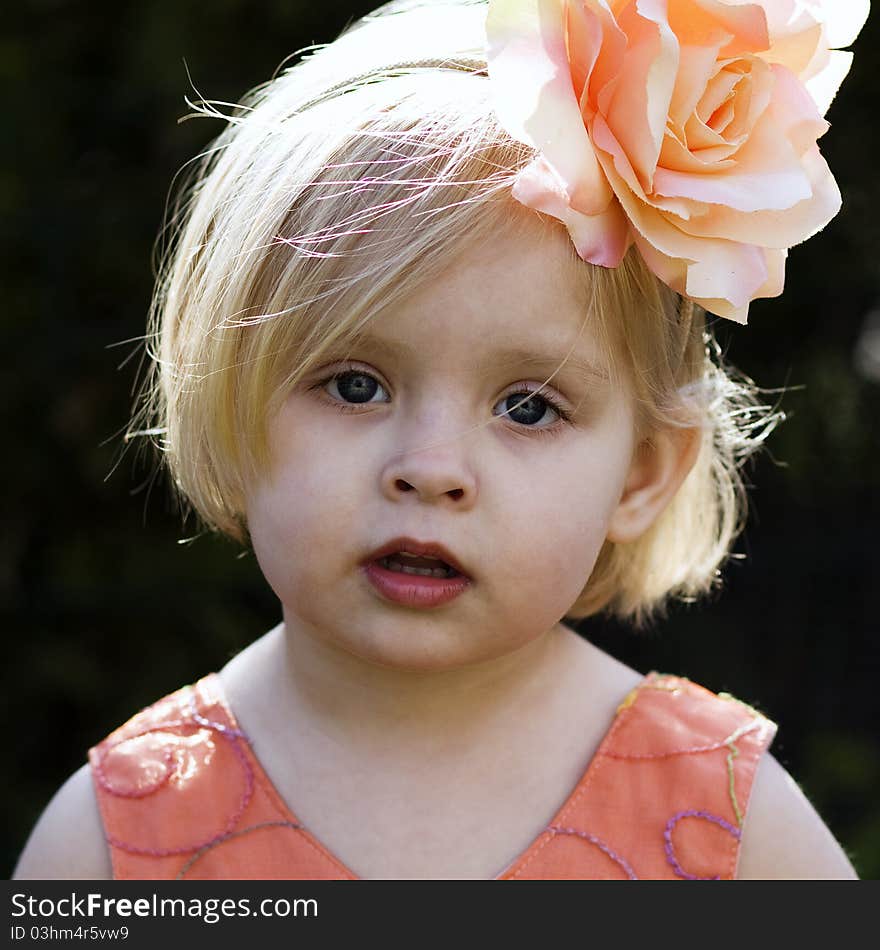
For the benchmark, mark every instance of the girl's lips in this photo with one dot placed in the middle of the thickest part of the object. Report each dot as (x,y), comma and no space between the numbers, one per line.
(414,590)
(419,548)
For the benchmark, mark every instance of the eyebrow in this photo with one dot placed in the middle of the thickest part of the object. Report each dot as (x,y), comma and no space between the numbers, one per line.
(546,363)
(538,360)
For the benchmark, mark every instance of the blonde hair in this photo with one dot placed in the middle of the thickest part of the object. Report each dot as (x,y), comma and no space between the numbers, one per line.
(338,188)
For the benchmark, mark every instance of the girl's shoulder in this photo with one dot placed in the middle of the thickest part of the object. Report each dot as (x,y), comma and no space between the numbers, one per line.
(67,843)
(783,836)
(71,839)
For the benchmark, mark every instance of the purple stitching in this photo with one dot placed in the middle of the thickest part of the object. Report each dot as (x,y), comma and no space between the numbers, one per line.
(670,851)
(232,736)
(218,726)
(105,783)
(600,845)
(204,849)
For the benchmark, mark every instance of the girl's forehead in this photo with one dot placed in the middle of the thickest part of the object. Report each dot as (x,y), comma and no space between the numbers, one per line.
(523,256)
(484,354)
(518,299)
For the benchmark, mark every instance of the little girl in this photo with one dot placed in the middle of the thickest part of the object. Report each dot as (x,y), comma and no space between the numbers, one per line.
(432,341)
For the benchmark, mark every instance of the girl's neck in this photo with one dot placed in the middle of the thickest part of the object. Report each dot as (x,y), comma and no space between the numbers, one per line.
(396,773)
(378,706)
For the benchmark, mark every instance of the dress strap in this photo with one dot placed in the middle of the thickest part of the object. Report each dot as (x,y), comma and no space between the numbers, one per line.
(666,795)
(181,795)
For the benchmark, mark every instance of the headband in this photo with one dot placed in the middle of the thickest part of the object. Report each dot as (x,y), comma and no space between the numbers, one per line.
(685,127)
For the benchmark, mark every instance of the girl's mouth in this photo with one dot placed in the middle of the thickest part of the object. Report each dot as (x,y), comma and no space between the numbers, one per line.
(404,563)
(415,581)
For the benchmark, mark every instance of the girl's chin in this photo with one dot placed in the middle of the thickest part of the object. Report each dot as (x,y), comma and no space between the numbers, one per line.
(409,647)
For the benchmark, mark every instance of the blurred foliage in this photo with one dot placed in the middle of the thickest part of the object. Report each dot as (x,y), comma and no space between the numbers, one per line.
(104,610)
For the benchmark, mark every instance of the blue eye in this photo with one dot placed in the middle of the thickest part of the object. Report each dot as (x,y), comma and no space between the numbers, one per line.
(527,408)
(354,386)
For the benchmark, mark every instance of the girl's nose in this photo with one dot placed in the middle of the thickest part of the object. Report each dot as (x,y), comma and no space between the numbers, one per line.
(432,473)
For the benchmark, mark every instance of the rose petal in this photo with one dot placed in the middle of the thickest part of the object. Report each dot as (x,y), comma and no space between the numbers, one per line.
(585,39)
(795,50)
(782,228)
(600,239)
(638,112)
(738,270)
(793,109)
(746,274)
(718,91)
(767,175)
(673,272)
(606,142)
(823,86)
(606,70)
(534,97)
(843,20)
(678,157)
(803,34)
(696,66)
(772,287)
(745,24)
(684,209)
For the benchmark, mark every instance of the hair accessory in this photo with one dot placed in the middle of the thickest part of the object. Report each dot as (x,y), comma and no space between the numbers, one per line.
(685,127)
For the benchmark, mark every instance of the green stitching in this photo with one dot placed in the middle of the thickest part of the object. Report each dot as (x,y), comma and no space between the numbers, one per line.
(731,698)
(730,742)
(734,752)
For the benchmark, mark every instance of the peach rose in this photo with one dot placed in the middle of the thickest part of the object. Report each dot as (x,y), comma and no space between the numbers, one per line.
(687,127)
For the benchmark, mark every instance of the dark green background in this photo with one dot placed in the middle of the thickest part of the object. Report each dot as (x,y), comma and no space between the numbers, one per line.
(104,610)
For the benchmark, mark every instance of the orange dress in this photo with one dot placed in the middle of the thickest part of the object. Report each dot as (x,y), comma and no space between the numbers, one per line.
(182,795)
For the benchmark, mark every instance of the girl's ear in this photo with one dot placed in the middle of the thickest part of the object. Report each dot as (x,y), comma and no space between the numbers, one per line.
(660,464)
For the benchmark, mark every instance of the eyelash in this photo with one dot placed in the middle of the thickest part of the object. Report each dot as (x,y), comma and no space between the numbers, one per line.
(563,413)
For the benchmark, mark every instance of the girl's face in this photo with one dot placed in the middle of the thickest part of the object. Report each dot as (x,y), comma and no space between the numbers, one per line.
(408,438)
